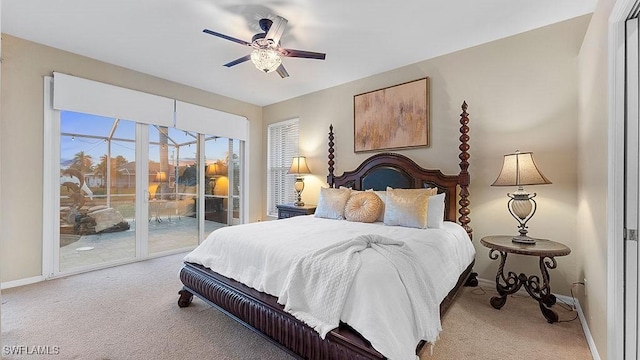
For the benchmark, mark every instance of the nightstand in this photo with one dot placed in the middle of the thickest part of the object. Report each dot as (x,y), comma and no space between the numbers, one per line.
(539,289)
(290,210)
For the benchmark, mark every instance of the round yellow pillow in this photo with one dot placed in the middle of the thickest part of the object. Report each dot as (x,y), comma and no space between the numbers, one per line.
(363,207)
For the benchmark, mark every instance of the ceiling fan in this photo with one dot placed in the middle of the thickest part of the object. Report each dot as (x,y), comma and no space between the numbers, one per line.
(267,53)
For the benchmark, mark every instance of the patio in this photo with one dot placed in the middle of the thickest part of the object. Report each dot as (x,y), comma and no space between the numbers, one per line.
(169,234)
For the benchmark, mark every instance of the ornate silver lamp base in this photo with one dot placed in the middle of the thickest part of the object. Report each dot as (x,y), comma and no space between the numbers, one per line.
(522,207)
(299,186)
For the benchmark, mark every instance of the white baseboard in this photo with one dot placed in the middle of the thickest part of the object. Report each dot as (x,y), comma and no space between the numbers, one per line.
(566,299)
(585,327)
(21,282)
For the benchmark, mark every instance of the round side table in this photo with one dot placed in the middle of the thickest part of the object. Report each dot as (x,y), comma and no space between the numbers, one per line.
(546,250)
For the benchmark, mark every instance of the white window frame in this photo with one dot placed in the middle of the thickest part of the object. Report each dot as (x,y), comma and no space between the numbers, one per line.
(282,146)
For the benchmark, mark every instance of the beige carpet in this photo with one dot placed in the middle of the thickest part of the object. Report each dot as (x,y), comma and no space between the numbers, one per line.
(472,329)
(131,312)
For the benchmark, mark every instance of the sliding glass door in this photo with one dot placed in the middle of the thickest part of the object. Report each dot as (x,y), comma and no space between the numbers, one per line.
(130,175)
(97,190)
(97,199)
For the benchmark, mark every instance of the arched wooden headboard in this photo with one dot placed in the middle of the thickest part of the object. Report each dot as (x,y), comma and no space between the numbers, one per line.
(398,171)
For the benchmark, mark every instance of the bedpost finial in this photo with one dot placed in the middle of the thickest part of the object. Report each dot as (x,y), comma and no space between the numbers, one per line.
(464,105)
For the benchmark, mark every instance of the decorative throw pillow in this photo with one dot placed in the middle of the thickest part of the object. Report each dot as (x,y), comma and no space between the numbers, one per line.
(363,207)
(435,211)
(407,207)
(331,203)
(383,196)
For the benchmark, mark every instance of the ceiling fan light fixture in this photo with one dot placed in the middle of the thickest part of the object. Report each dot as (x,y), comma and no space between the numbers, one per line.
(266,60)
(267,53)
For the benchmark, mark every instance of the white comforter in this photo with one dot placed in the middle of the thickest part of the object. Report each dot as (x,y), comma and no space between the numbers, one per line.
(377,306)
(319,281)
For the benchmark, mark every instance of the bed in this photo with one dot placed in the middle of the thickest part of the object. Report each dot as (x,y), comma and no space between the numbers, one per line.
(262,313)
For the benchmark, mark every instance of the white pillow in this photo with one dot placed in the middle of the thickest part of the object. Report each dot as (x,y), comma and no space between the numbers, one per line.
(435,211)
(331,203)
(407,207)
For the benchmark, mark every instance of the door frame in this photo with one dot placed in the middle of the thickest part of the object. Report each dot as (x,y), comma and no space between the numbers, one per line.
(51,191)
(615,181)
(631,189)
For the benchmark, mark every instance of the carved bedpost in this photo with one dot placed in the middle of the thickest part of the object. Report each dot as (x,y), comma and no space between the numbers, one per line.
(464,179)
(330,176)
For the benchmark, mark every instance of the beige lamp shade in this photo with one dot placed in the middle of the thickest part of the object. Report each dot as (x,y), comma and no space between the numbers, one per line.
(299,166)
(520,169)
(216,169)
(221,186)
(161,176)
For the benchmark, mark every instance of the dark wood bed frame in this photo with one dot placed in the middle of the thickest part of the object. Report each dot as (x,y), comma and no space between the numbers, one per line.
(261,313)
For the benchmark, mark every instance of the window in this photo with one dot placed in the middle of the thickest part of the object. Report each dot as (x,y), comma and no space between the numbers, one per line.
(282,146)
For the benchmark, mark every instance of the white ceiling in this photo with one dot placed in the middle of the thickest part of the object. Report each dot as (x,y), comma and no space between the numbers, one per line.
(164,38)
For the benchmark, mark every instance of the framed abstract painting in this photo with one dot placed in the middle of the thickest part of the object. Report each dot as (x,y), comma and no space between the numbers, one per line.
(396,117)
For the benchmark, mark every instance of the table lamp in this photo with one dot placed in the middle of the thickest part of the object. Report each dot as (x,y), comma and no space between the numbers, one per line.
(214,170)
(519,169)
(299,167)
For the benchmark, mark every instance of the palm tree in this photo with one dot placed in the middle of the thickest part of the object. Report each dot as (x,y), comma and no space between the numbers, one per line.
(116,166)
(118,161)
(101,168)
(82,162)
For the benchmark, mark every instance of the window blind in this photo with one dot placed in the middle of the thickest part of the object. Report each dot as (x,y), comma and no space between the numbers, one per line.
(92,97)
(210,121)
(282,146)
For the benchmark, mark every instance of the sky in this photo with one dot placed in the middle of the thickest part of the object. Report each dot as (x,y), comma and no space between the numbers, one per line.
(93,125)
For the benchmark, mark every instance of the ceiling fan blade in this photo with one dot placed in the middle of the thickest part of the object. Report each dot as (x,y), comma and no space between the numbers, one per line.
(226,37)
(238,61)
(303,54)
(282,71)
(277,29)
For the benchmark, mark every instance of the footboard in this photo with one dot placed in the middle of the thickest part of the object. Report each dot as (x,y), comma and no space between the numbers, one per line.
(261,313)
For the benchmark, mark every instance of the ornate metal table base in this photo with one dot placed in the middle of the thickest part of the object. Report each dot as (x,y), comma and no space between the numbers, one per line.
(541,292)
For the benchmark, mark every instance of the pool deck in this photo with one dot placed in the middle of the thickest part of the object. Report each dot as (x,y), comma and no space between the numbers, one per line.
(165,235)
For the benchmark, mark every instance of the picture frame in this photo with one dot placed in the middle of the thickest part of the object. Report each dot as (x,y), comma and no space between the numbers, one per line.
(395,117)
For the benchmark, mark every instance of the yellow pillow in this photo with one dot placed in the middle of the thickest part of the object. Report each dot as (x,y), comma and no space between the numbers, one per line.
(407,207)
(363,207)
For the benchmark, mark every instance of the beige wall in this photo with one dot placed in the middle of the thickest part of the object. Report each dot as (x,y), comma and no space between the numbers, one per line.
(592,174)
(24,66)
(522,94)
